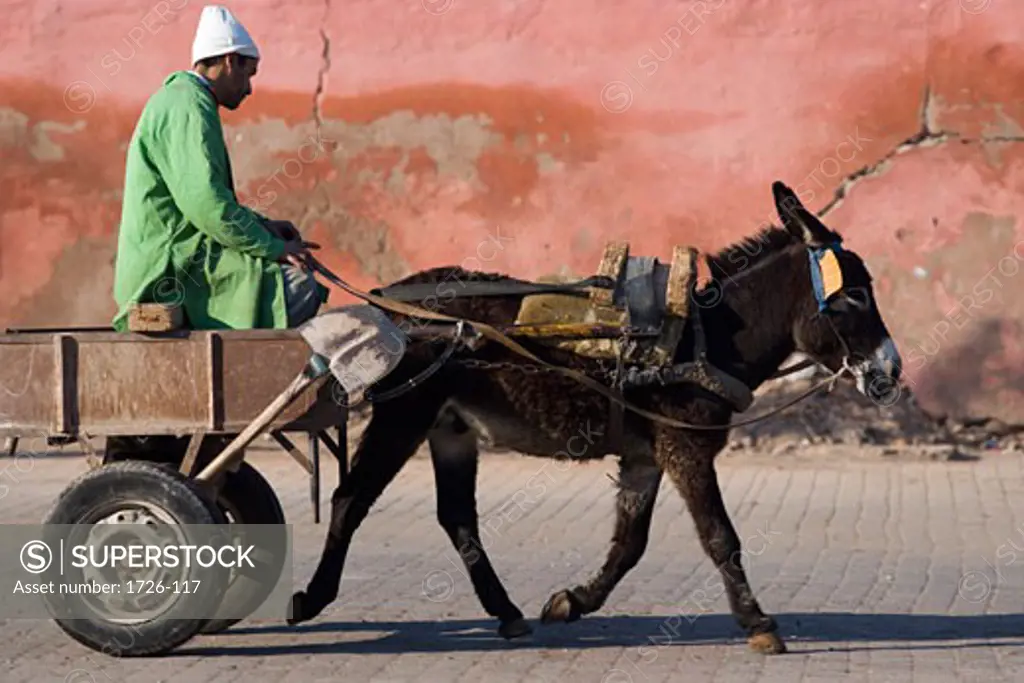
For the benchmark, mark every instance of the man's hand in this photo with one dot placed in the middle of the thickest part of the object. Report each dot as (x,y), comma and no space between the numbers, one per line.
(285,230)
(296,253)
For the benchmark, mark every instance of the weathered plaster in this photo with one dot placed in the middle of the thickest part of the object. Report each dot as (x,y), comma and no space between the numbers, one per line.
(521,137)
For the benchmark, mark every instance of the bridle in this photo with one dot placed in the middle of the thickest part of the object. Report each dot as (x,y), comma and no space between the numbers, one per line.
(827,282)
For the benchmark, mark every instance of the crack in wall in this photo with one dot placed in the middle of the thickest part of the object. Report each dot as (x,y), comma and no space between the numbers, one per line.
(927,108)
(926,136)
(929,134)
(325,66)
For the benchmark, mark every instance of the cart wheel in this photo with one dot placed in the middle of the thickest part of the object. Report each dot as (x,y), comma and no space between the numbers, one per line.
(247,498)
(137,492)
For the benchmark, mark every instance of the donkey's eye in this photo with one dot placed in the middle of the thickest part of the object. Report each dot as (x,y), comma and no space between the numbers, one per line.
(858,297)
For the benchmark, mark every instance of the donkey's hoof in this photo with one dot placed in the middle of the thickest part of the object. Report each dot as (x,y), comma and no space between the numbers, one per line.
(767,644)
(299,613)
(561,606)
(515,629)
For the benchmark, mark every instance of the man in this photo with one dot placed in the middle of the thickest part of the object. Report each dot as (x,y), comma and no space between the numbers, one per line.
(184,238)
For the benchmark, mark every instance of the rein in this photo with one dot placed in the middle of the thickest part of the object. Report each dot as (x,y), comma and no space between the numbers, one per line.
(495,335)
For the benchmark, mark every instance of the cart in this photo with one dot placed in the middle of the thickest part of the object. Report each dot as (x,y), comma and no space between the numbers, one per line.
(167,404)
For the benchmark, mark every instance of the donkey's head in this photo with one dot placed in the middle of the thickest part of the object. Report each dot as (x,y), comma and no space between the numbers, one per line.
(842,324)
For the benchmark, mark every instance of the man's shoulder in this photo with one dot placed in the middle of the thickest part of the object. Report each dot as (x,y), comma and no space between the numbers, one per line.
(180,93)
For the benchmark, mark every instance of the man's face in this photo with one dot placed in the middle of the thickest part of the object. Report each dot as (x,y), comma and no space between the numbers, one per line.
(238,74)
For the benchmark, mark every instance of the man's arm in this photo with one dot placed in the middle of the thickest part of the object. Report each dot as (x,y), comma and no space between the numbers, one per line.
(193,168)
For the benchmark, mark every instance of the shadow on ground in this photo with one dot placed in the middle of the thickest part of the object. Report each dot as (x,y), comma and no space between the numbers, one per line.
(834,631)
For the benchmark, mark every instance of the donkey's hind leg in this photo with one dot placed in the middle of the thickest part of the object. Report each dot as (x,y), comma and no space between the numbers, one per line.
(454,452)
(693,472)
(395,431)
(638,489)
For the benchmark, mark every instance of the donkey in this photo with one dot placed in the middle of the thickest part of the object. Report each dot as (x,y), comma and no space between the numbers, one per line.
(768,305)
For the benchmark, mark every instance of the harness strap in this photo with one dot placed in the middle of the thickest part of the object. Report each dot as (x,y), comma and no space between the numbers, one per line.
(421,291)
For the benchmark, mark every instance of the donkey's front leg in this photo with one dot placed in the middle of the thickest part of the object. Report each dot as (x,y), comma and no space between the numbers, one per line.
(388,442)
(697,481)
(638,488)
(454,452)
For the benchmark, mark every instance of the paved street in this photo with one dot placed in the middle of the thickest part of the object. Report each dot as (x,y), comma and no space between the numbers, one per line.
(877,570)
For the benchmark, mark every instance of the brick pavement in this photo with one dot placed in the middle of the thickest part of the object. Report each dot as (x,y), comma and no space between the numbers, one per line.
(876,570)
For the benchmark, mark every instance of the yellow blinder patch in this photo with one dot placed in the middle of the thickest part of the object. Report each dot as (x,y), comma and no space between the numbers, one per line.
(831,274)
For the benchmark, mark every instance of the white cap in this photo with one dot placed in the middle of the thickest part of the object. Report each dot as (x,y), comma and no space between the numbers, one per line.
(219,33)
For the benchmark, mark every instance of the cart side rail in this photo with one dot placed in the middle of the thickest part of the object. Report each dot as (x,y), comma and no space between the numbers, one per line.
(100,383)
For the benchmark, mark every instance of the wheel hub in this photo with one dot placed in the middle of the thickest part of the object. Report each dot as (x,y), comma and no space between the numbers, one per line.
(141,593)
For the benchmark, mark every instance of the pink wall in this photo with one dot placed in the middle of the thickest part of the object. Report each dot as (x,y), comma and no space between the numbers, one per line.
(521,136)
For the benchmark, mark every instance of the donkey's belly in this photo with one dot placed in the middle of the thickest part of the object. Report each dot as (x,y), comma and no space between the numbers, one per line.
(502,430)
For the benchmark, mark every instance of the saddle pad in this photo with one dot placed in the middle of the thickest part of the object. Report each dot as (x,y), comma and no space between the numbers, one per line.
(638,299)
(566,308)
(648,296)
(359,342)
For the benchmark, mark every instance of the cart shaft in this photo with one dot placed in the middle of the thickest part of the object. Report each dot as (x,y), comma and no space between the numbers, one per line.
(227,458)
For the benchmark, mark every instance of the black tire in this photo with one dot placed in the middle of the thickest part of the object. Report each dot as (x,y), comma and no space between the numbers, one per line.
(247,498)
(157,487)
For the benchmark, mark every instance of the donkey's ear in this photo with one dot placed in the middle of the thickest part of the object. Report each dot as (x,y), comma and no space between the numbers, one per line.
(800,222)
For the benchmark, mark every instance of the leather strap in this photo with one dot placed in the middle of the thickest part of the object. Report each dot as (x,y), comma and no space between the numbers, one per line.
(454,288)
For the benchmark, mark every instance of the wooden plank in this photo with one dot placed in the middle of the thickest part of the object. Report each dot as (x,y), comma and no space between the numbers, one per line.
(111,384)
(333,447)
(59,418)
(681,277)
(572,330)
(612,263)
(156,317)
(293,451)
(215,368)
(65,384)
(143,385)
(256,371)
(188,463)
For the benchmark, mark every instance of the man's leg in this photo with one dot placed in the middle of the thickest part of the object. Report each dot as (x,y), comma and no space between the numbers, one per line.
(300,295)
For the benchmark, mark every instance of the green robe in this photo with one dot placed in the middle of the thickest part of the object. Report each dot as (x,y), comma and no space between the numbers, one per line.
(184,238)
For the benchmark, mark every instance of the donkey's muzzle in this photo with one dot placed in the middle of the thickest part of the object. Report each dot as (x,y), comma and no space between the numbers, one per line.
(878,377)
(887,360)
